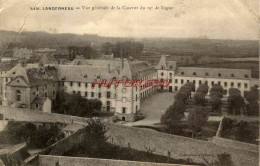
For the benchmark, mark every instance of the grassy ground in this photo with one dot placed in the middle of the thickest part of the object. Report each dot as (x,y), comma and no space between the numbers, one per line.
(110,151)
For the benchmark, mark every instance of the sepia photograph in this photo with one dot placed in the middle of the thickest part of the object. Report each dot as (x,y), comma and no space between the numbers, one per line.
(129,82)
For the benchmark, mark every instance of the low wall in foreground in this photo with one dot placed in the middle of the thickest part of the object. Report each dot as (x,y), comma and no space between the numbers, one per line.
(177,146)
(45,160)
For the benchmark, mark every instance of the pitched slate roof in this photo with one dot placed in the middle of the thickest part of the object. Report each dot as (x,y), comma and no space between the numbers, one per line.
(140,68)
(34,74)
(84,73)
(213,72)
(114,63)
(162,63)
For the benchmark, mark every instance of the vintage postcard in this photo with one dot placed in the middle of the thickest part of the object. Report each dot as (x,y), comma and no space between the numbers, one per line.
(129,82)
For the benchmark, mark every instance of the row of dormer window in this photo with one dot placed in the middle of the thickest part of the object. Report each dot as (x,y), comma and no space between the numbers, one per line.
(219,74)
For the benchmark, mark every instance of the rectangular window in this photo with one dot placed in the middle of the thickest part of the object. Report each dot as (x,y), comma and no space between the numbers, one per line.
(108,103)
(45,95)
(124,90)
(225,84)
(92,94)
(86,94)
(199,81)
(206,82)
(239,85)
(219,82)
(212,82)
(176,81)
(73,92)
(123,110)
(188,81)
(136,98)
(99,95)
(194,82)
(37,88)
(232,84)
(108,94)
(170,80)
(79,83)
(245,85)
(71,83)
(176,88)
(182,81)
(86,84)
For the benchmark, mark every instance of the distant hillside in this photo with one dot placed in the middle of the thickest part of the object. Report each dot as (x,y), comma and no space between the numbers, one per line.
(198,47)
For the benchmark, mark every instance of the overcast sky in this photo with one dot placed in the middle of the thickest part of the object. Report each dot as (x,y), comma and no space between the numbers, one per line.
(222,19)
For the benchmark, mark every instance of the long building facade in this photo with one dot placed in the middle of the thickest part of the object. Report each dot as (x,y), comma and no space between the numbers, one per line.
(31,84)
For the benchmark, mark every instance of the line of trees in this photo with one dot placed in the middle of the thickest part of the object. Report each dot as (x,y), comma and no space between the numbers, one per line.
(199,115)
(237,104)
(125,49)
(17,132)
(216,94)
(76,105)
(175,113)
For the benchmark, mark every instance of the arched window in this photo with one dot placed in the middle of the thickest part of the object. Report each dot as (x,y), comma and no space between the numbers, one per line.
(219,74)
(246,76)
(182,73)
(194,73)
(161,73)
(232,75)
(207,74)
(18,95)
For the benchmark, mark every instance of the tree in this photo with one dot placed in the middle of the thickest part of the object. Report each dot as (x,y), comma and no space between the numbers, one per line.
(234,91)
(217,90)
(107,47)
(76,105)
(173,116)
(203,88)
(216,93)
(235,104)
(197,118)
(252,108)
(216,103)
(199,98)
(94,136)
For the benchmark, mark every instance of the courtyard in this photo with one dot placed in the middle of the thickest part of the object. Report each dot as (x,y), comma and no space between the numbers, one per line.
(154,107)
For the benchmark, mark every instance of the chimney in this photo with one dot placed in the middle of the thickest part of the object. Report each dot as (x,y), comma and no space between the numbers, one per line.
(108,68)
(122,62)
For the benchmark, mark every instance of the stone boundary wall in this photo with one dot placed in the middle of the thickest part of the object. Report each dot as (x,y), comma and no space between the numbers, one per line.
(46,160)
(15,155)
(218,134)
(177,146)
(19,114)
(64,145)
